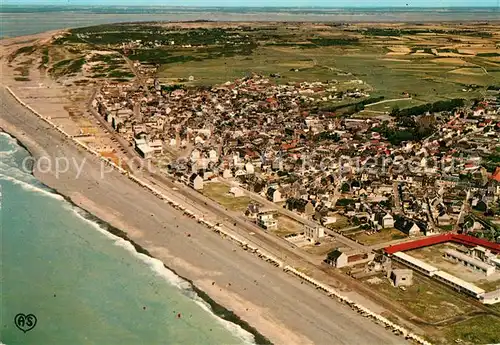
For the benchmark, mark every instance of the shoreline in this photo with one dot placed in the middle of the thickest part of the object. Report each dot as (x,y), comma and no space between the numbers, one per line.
(231,15)
(331,293)
(35,132)
(216,308)
(277,316)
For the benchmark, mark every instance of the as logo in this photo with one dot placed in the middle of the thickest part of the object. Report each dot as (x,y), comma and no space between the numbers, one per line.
(25,322)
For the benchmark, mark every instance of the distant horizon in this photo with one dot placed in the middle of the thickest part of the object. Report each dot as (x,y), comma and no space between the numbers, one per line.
(333,4)
(17,4)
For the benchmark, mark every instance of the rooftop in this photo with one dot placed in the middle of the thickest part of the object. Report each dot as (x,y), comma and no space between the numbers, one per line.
(415,261)
(469,259)
(462,283)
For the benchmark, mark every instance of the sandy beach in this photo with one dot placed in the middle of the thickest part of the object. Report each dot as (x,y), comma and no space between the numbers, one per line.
(279,306)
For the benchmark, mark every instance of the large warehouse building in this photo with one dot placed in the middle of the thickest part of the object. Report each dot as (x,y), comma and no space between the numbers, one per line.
(397,254)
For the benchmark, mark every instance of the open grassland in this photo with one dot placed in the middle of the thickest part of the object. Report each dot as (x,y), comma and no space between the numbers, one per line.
(287,226)
(456,320)
(484,329)
(219,192)
(384,235)
(428,302)
(425,81)
(429,65)
(425,62)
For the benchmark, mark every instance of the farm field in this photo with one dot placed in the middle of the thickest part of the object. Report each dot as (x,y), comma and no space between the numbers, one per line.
(425,62)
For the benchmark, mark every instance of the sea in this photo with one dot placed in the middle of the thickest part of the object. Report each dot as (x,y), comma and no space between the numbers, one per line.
(17,20)
(83,284)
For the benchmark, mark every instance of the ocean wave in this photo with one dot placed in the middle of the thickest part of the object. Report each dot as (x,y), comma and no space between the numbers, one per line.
(236,330)
(29,187)
(8,153)
(10,139)
(6,135)
(13,155)
(155,264)
(170,277)
(9,148)
(15,172)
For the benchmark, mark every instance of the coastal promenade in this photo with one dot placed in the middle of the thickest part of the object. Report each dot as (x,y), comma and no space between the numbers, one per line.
(279,306)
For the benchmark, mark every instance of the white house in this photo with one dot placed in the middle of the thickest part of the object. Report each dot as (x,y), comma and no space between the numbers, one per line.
(274,195)
(157,146)
(236,192)
(145,151)
(314,233)
(212,155)
(196,181)
(387,221)
(227,173)
(195,155)
(249,168)
(266,220)
(240,172)
(407,226)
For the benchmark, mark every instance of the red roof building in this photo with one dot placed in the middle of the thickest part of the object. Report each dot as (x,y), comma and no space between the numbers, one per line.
(496,175)
(450,237)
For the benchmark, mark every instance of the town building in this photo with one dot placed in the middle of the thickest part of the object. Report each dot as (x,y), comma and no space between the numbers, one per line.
(401,277)
(314,233)
(407,226)
(267,221)
(196,181)
(385,220)
(340,258)
(469,261)
(274,195)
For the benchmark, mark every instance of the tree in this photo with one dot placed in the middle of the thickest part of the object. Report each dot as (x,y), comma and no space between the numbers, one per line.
(345,188)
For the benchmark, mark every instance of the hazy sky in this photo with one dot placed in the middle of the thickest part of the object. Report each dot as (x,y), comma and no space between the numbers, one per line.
(326,3)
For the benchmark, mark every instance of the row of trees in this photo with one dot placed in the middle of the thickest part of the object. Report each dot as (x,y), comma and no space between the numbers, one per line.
(399,32)
(352,108)
(439,106)
(334,41)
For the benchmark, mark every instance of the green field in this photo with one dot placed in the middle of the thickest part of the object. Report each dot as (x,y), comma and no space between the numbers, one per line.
(483,329)
(384,235)
(424,80)
(220,192)
(430,62)
(426,301)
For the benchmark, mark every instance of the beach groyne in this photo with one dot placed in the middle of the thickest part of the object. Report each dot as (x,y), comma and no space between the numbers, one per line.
(226,233)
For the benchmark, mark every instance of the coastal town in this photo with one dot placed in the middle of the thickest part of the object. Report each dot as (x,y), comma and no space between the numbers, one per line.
(395,200)
(386,180)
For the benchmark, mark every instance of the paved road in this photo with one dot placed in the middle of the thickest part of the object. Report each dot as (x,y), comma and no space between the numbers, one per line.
(397,199)
(282,302)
